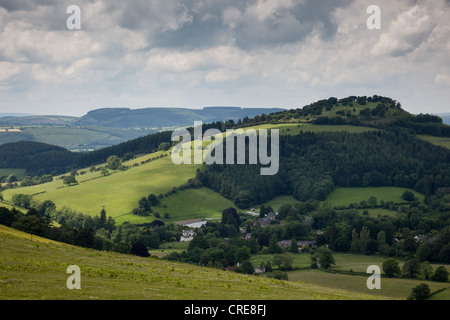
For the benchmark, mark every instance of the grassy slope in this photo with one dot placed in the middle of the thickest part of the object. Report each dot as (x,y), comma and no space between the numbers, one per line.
(184,205)
(37,270)
(293,129)
(120,191)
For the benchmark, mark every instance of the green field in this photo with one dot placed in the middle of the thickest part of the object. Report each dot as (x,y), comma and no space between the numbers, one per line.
(118,192)
(294,129)
(398,288)
(36,269)
(393,288)
(184,205)
(277,202)
(302,260)
(168,247)
(346,196)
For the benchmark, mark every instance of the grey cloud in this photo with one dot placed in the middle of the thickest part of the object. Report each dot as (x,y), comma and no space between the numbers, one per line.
(194,24)
(14,5)
(282,26)
(199,24)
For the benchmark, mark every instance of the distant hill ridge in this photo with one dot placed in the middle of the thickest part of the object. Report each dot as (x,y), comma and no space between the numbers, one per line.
(166,117)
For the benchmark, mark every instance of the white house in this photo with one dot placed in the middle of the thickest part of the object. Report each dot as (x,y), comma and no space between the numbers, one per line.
(188,235)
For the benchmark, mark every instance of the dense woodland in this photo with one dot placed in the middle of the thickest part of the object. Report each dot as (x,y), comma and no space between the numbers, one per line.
(312,164)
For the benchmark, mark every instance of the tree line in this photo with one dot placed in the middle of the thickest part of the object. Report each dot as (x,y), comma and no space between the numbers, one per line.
(99,232)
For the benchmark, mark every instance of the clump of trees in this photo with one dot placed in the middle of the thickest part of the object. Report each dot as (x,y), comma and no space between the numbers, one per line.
(322,258)
(114,163)
(420,292)
(413,268)
(145,205)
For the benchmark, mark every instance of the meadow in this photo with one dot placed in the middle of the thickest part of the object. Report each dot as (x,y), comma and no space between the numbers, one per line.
(349,274)
(296,128)
(117,192)
(394,288)
(346,196)
(36,270)
(184,205)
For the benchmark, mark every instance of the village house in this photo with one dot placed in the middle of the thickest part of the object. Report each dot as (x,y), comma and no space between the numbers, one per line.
(271,216)
(187,235)
(248,236)
(259,270)
(301,244)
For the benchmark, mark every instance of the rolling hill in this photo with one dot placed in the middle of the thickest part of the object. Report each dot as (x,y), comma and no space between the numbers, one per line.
(120,191)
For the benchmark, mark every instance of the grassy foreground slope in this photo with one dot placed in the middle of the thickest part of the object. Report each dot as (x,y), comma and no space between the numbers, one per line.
(36,269)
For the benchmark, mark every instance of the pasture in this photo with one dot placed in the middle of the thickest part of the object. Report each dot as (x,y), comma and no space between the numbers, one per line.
(118,192)
(36,270)
(345,196)
(348,274)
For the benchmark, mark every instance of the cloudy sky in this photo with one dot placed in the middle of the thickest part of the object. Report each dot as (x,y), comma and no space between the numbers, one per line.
(195,53)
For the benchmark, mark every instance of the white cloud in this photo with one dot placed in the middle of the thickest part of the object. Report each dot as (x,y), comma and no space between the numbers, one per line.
(406,33)
(442,79)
